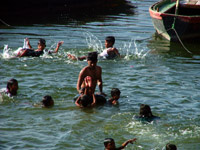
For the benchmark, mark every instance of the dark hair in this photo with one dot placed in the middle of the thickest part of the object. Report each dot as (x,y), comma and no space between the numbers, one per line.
(42,41)
(171,147)
(85,100)
(107,141)
(92,56)
(10,83)
(47,101)
(145,111)
(110,39)
(115,91)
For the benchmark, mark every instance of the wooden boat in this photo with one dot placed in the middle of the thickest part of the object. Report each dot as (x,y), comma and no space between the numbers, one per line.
(184,25)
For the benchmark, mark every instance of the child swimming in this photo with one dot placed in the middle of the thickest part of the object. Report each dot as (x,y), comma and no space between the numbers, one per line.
(145,114)
(11,89)
(109,144)
(38,52)
(115,95)
(109,53)
(47,101)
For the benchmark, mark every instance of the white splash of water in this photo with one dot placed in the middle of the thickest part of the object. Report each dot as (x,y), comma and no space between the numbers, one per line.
(93,42)
(6,52)
(134,50)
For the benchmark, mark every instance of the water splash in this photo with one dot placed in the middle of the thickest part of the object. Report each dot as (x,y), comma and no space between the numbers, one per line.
(93,42)
(134,50)
(6,52)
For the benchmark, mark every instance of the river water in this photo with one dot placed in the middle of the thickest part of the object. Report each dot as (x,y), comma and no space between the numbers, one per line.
(152,71)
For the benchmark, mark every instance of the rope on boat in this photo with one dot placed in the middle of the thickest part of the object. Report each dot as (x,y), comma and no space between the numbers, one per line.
(4,23)
(181,41)
(173,28)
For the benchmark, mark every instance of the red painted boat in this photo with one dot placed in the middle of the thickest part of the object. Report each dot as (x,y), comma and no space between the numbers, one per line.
(184,25)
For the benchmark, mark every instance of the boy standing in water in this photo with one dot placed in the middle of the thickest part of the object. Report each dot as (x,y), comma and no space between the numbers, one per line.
(36,53)
(109,144)
(109,53)
(90,76)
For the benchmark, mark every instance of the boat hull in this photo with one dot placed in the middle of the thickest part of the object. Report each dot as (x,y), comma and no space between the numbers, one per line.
(175,27)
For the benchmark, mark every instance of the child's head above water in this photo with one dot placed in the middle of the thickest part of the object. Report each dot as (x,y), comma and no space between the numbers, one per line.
(42,41)
(12,86)
(171,147)
(145,111)
(92,56)
(41,44)
(115,93)
(47,101)
(109,143)
(110,39)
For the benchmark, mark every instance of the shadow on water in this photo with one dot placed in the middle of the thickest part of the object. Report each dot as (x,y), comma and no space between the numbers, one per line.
(160,45)
(61,12)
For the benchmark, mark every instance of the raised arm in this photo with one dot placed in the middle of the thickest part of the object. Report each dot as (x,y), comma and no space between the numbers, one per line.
(57,47)
(127,142)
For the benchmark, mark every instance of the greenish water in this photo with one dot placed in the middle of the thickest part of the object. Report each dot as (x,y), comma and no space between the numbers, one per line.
(153,72)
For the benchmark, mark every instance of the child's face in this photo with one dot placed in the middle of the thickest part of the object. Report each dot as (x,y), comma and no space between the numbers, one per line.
(41,46)
(116,97)
(108,44)
(92,64)
(14,87)
(111,146)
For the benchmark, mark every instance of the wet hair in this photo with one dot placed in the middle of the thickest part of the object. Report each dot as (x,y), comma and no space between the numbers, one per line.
(92,56)
(42,41)
(47,101)
(107,141)
(115,91)
(110,39)
(145,111)
(85,100)
(10,83)
(171,147)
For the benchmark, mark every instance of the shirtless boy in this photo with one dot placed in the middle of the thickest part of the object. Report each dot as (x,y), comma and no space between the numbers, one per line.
(94,73)
(109,53)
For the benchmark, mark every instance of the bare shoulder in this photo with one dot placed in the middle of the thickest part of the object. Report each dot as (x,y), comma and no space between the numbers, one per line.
(84,70)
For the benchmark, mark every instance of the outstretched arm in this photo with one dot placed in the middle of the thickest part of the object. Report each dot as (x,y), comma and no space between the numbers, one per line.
(58,45)
(127,142)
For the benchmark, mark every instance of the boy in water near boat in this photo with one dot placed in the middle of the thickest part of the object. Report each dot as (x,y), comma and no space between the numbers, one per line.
(109,144)
(88,78)
(36,53)
(115,95)
(109,53)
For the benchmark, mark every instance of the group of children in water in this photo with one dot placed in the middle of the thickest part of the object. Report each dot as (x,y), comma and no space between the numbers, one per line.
(89,77)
